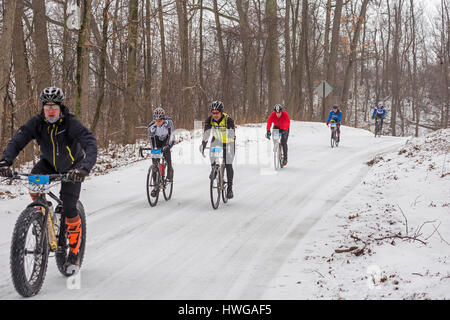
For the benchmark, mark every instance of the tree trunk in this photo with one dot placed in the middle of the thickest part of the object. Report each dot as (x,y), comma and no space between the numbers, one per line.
(183,30)
(101,80)
(21,70)
(222,57)
(131,101)
(273,71)
(5,60)
(249,61)
(331,65)
(395,87)
(149,64)
(287,45)
(202,96)
(164,76)
(82,71)
(40,39)
(352,58)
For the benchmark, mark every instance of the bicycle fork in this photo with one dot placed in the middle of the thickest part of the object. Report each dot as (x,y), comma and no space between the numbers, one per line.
(46,211)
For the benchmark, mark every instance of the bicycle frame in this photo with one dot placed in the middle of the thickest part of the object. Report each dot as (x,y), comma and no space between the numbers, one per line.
(333,128)
(377,126)
(41,185)
(276,149)
(276,140)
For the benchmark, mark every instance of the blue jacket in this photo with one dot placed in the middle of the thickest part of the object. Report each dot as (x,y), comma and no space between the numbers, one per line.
(380,112)
(335,116)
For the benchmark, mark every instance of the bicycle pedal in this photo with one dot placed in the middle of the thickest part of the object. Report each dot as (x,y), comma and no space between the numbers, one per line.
(72,269)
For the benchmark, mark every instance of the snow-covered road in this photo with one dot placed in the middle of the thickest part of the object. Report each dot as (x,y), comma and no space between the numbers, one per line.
(183,249)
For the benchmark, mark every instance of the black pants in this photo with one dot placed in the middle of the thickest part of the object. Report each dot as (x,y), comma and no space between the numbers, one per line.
(284,139)
(381,120)
(228,157)
(70,191)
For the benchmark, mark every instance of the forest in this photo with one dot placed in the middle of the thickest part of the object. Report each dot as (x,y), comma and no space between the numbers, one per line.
(117,60)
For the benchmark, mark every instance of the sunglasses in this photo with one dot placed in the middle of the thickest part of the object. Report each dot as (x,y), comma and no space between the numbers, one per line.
(51,107)
(215,112)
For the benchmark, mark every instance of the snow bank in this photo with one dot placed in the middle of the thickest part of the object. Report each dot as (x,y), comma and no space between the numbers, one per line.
(387,239)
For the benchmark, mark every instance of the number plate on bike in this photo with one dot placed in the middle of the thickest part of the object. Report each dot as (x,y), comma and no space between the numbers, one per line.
(156,153)
(277,136)
(216,150)
(39,180)
(333,124)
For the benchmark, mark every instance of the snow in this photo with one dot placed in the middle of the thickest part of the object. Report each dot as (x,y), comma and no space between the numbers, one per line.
(274,239)
(408,186)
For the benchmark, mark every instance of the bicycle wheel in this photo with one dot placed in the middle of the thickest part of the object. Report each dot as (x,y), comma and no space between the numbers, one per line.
(168,187)
(224,184)
(63,244)
(153,177)
(280,156)
(28,260)
(333,138)
(276,157)
(214,188)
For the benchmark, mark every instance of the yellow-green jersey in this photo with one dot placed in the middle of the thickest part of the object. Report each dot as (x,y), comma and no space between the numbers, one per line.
(222,130)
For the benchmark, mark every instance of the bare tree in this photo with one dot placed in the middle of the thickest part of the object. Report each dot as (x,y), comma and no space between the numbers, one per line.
(272,56)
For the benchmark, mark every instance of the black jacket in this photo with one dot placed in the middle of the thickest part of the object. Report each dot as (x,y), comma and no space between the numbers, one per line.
(66,144)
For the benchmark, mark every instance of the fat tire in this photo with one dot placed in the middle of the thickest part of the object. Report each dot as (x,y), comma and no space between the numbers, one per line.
(25,288)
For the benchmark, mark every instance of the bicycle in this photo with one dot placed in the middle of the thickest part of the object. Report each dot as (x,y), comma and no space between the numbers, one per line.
(38,232)
(378,127)
(277,150)
(157,176)
(217,185)
(334,140)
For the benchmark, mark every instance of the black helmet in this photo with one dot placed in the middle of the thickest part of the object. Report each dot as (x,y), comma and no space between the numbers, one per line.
(52,94)
(335,107)
(278,108)
(159,113)
(216,105)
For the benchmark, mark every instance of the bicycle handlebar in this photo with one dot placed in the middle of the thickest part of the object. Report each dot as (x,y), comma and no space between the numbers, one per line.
(52,177)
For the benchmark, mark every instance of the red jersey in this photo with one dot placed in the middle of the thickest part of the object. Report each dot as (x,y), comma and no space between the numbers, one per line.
(282,122)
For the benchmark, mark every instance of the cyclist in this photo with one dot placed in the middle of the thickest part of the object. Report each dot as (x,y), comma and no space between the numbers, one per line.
(223,130)
(66,146)
(161,135)
(281,122)
(379,112)
(336,116)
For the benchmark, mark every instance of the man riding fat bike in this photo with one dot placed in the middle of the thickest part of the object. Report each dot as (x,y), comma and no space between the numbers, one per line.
(66,146)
